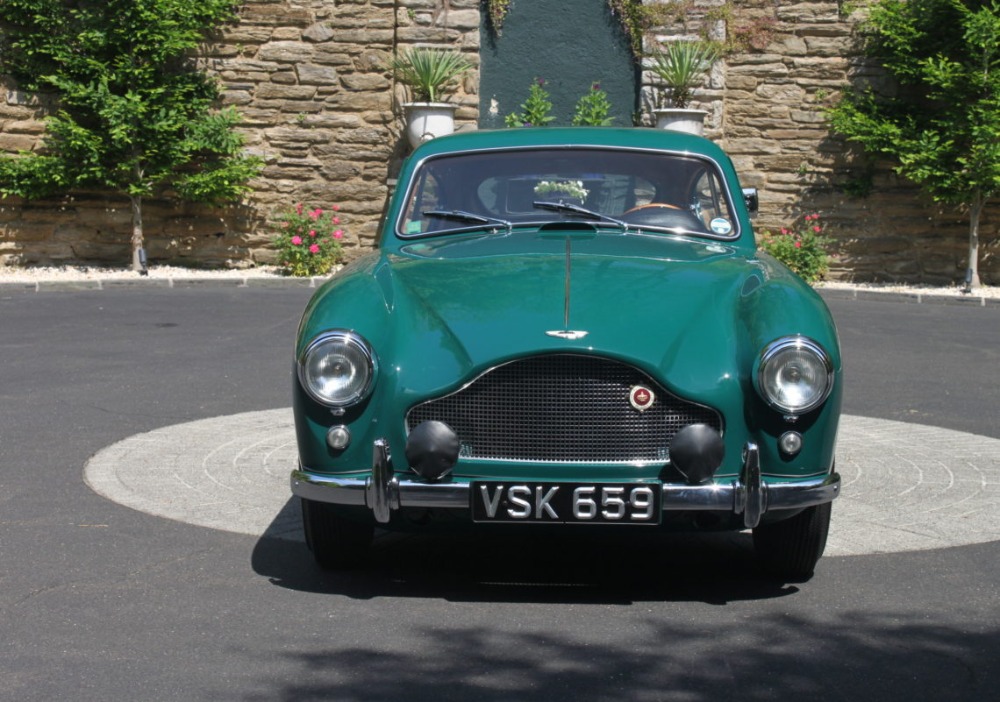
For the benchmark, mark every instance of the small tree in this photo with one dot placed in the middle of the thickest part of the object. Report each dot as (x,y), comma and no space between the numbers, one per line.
(135,114)
(942,124)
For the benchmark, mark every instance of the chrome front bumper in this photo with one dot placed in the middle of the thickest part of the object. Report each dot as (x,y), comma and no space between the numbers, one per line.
(384,492)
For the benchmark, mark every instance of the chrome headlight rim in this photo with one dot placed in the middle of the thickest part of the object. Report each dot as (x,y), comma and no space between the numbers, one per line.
(798,343)
(368,365)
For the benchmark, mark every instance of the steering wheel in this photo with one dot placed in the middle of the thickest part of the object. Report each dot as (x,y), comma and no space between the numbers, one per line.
(662,214)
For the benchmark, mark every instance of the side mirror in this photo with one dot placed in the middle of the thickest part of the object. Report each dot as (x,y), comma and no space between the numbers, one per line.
(751,200)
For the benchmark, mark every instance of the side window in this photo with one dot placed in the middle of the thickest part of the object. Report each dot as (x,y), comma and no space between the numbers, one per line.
(709,203)
(425,196)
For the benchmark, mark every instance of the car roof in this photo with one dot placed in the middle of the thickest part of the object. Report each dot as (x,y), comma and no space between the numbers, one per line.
(636,138)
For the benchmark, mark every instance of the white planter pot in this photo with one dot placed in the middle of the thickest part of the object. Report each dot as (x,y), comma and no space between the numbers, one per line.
(426,120)
(681,120)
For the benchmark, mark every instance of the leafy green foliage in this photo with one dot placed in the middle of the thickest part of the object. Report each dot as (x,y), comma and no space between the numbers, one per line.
(431,74)
(941,123)
(309,241)
(803,248)
(593,109)
(135,113)
(681,66)
(497,11)
(536,111)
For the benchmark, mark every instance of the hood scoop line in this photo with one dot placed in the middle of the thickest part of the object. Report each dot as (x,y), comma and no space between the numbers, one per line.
(566,332)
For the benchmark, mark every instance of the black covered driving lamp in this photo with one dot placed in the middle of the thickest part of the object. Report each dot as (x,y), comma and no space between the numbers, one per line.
(697,451)
(432,449)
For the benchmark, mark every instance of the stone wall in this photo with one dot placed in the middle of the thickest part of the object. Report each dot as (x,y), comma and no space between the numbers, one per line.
(310,78)
(775,130)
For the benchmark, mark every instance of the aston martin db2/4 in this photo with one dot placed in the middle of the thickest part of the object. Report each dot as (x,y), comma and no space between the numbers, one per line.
(570,329)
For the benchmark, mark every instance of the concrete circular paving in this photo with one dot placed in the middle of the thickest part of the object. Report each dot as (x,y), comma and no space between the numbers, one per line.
(907,487)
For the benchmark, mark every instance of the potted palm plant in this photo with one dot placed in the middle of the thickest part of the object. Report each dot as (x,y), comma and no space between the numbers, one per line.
(431,75)
(681,66)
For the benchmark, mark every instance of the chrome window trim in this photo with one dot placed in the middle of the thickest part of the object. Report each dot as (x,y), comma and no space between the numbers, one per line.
(398,224)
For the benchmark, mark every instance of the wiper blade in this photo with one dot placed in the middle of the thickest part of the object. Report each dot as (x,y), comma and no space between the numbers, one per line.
(464,216)
(580,211)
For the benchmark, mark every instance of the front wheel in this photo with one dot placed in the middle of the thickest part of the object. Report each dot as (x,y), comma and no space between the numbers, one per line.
(336,543)
(790,548)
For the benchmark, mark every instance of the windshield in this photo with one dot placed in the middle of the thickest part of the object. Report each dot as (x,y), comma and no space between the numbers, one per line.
(631,190)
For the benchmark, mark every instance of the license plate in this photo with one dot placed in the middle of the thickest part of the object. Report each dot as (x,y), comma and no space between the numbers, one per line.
(566,503)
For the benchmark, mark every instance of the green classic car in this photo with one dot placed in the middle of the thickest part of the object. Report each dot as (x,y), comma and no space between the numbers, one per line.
(568,328)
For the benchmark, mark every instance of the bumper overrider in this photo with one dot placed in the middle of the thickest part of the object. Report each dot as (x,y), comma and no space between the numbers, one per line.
(384,492)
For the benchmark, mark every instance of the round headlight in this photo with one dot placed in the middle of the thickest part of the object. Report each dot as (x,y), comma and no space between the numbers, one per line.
(337,369)
(795,375)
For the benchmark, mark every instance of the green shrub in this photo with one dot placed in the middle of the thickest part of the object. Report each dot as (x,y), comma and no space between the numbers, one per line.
(802,248)
(309,242)
(593,109)
(536,110)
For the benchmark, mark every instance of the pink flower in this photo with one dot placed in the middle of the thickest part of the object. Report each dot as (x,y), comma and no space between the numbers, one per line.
(296,240)
(316,214)
(312,233)
(336,220)
(817,229)
(336,208)
(339,234)
(314,249)
(298,208)
(798,244)
(785,231)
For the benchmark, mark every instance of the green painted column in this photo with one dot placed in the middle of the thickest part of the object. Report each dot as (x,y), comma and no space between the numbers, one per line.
(568,43)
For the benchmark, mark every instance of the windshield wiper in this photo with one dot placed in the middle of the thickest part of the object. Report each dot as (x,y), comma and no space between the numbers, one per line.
(463,216)
(577,210)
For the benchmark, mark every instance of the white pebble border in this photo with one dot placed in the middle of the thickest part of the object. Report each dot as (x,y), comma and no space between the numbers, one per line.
(95,277)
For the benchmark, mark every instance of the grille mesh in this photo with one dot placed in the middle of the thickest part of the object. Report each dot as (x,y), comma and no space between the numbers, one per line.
(562,408)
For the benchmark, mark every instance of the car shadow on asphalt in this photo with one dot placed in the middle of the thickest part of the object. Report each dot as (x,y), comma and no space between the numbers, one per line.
(529,565)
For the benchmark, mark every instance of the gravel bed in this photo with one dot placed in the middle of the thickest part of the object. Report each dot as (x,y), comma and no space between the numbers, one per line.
(32,274)
(40,274)
(990,291)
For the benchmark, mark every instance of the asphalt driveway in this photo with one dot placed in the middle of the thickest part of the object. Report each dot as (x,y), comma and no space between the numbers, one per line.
(100,601)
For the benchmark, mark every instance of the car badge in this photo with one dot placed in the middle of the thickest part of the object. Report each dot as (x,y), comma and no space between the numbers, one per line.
(567,334)
(641,397)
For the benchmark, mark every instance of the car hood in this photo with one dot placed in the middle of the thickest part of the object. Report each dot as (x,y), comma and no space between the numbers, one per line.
(666,304)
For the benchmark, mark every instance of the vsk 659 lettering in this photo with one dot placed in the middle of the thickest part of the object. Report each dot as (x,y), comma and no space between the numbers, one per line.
(636,503)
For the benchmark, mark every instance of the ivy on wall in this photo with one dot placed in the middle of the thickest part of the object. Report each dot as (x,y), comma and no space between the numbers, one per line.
(637,19)
(497,11)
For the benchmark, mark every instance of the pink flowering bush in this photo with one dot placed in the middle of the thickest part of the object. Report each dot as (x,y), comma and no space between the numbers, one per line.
(309,241)
(803,248)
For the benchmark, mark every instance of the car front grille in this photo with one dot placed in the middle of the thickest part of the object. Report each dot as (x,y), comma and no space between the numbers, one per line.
(562,408)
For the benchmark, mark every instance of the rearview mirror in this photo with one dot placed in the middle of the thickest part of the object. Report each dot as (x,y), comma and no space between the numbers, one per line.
(751,200)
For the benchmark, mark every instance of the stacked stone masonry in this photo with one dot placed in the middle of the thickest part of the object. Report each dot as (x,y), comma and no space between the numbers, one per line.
(310,79)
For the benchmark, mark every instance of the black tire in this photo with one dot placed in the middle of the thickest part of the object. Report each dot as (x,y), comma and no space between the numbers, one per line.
(336,543)
(789,549)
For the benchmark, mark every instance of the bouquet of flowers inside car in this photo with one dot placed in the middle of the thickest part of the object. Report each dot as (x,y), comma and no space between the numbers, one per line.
(565,188)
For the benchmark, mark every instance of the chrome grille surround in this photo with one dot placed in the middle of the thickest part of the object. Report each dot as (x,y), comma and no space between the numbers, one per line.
(562,408)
